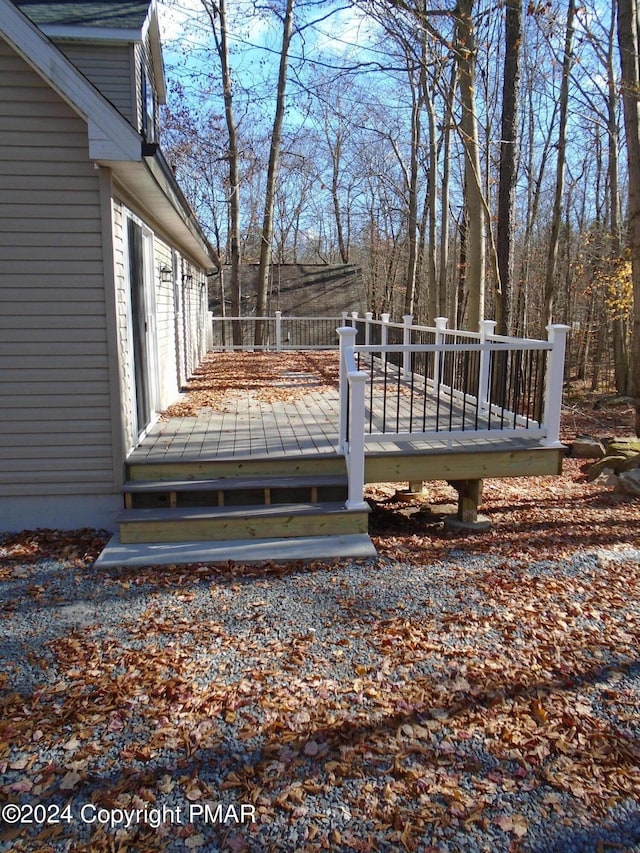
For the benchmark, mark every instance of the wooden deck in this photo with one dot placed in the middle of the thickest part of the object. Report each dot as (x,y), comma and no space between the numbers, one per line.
(246,427)
(245,466)
(300,417)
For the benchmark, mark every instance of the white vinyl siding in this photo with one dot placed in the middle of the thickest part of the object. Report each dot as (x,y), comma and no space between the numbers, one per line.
(124,341)
(55,427)
(166,324)
(110,69)
(195,316)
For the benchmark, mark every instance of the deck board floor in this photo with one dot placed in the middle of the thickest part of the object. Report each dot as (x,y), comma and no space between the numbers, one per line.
(251,427)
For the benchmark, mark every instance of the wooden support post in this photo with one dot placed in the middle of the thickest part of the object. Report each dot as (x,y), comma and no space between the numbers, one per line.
(469,497)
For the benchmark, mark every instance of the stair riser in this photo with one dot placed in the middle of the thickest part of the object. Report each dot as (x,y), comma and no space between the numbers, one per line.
(286,467)
(235,497)
(250,528)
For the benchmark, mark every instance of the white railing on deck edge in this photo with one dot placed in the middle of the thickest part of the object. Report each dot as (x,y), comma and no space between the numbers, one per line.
(352,414)
(278,324)
(352,440)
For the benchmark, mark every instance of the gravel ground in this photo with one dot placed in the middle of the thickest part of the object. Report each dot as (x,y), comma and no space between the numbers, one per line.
(471,704)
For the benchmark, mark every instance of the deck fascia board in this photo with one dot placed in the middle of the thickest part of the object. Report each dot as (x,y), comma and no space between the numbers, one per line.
(461,464)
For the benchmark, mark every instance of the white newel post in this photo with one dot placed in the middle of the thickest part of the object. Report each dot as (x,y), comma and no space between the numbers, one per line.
(368,317)
(384,337)
(278,331)
(487,328)
(354,317)
(355,456)
(557,335)
(407,320)
(347,340)
(441,326)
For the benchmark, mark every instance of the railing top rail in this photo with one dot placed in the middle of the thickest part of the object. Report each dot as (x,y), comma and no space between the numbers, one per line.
(333,318)
(457,333)
(510,339)
(489,346)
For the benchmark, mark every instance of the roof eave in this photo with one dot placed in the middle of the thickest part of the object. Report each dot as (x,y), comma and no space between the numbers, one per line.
(74,31)
(153,187)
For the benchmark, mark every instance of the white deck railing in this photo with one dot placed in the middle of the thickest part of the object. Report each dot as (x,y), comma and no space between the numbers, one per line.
(280,332)
(439,384)
(400,382)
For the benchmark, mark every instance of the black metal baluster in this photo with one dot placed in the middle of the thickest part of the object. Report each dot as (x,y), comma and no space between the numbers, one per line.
(440,356)
(371,381)
(465,385)
(517,387)
(412,364)
(490,381)
(424,392)
(399,372)
(451,386)
(384,395)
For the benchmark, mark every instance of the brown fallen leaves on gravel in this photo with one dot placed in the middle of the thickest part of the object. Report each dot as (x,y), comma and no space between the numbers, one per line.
(458,718)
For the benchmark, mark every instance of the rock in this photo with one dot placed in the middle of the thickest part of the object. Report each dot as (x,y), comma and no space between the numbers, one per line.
(623,447)
(629,482)
(610,463)
(619,400)
(586,447)
(453,524)
(606,477)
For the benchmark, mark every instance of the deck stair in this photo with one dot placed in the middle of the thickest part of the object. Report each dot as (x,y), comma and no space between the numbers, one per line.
(243,510)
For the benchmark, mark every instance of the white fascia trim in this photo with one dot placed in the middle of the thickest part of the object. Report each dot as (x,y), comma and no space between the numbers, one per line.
(111,136)
(156,55)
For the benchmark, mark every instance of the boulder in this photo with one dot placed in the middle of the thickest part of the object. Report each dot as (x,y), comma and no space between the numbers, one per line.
(623,447)
(629,482)
(586,447)
(606,477)
(608,463)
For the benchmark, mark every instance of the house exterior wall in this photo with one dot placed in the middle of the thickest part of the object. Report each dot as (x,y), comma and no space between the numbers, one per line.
(181,319)
(55,418)
(123,326)
(109,67)
(68,414)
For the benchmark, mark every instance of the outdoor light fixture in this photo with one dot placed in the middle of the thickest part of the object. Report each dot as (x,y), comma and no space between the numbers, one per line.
(187,277)
(166,274)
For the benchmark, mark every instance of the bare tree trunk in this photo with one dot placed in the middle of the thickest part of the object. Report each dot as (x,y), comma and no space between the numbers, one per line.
(618,326)
(431,211)
(507,185)
(628,30)
(412,225)
(466,52)
(336,154)
(217,14)
(445,299)
(272,173)
(556,220)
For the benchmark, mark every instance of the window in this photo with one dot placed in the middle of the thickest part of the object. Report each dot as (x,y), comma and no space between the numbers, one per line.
(148,110)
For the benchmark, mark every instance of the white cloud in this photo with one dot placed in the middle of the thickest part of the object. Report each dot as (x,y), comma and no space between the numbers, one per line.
(348,31)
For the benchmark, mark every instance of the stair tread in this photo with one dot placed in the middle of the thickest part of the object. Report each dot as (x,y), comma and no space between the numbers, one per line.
(252,510)
(235,483)
(117,554)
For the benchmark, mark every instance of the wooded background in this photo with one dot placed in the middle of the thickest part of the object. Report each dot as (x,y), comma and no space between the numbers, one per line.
(470,158)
